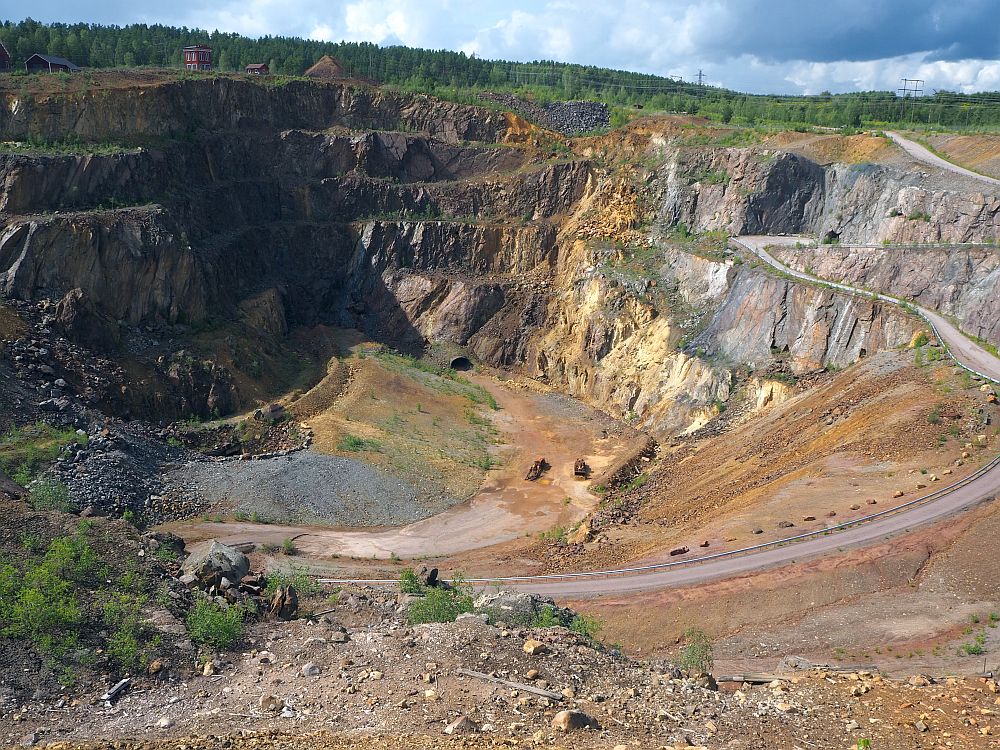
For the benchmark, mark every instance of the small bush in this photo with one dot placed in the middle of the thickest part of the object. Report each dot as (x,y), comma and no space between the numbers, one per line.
(441,604)
(298,578)
(922,339)
(586,626)
(210,625)
(410,583)
(127,644)
(546,618)
(289,547)
(696,656)
(50,494)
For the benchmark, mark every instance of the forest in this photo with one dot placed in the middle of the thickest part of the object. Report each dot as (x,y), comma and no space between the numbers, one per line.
(455,75)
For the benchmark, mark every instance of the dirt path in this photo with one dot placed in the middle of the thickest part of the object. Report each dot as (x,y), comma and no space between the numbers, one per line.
(921,153)
(507,507)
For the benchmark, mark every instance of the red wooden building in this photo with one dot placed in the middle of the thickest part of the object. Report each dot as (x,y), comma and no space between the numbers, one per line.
(39,63)
(257,69)
(4,59)
(198,57)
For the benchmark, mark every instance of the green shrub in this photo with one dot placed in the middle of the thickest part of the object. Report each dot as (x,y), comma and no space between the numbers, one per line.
(128,643)
(546,618)
(298,578)
(410,583)
(49,494)
(217,627)
(696,656)
(921,339)
(586,626)
(440,604)
(289,547)
(40,607)
(72,558)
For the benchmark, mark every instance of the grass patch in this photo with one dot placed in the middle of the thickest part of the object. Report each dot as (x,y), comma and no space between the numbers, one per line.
(49,494)
(26,451)
(297,578)
(436,603)
(354,444)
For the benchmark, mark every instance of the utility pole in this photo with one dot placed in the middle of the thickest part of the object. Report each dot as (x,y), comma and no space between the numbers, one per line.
(911,88)
(701,77)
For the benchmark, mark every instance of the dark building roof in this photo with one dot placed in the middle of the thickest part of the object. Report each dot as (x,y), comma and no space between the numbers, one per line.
(257,66)
(53,60)
(198,46)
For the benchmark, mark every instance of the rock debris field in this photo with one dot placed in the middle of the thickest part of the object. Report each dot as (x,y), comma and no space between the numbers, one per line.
(360,670)
(308,487)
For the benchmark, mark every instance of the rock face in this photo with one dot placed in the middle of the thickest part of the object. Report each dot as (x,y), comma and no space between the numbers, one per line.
(211,562)
(959,282)
(421,238)
(229,104)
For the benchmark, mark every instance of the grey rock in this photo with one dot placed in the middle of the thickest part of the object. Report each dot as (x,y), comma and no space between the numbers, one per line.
(212,561)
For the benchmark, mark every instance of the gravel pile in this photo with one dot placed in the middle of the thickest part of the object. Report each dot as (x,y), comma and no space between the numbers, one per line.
(568,118)
(572,118)
(118,471)
(307,487)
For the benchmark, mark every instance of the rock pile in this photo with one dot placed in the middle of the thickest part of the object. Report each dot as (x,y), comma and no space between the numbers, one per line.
(568,118)
(119,471)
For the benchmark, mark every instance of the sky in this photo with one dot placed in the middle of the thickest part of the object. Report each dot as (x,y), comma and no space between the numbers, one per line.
(761,46)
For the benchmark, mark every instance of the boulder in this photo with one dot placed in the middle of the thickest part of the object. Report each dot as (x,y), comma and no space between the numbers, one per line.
(517,608)
(462,725)
(534,648)
(212,562)
(284,603)
(569,720)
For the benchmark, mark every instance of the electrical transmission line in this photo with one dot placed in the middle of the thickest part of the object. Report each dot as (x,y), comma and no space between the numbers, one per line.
(911,89)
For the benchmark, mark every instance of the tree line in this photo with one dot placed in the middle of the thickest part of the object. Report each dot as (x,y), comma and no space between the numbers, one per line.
(459,76)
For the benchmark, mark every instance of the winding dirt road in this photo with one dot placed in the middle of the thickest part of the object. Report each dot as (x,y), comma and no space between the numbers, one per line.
(921,153)
(981,487)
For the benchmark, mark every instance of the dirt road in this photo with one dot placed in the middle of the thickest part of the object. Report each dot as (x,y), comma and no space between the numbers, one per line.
(693,572)
(921,153)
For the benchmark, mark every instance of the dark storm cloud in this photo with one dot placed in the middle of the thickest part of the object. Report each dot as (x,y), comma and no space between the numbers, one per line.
(781,30)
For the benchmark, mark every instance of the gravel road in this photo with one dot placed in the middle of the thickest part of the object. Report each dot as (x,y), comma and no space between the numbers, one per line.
(921,153)
(308,487)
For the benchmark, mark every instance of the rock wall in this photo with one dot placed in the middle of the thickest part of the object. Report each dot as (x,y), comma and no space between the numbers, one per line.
(254,217)
(183,107)
(755,191)
(960,282)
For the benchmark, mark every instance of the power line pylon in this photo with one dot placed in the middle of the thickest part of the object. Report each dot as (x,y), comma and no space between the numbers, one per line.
(911,89)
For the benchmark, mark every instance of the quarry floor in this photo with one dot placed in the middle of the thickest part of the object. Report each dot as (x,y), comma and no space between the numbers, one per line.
(533,424)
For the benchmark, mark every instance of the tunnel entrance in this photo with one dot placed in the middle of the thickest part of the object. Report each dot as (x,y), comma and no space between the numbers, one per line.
(462,364)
